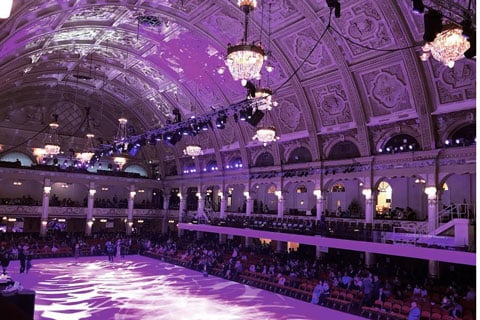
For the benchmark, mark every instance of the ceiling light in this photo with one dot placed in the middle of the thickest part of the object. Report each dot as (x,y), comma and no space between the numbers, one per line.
(193,151)
(266,135)
(245,60)
(52,141)
(5,8)
(447,47)
(89,150)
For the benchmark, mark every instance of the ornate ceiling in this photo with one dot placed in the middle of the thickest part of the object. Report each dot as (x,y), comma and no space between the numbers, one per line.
(92,61)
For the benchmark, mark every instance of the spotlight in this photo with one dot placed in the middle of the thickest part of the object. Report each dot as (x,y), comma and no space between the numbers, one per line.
(221,121)
(418,6)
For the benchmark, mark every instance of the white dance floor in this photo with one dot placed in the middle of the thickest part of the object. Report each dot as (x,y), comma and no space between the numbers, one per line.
(138,287)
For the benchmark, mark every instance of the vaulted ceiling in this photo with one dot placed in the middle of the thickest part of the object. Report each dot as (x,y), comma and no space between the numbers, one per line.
(94,61)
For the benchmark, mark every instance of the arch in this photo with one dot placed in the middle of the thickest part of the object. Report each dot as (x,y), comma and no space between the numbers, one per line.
(24,159)
(135,168)
(265,159)
(461,136)
(343,150)
(399,143)
(300,155)
(211,166)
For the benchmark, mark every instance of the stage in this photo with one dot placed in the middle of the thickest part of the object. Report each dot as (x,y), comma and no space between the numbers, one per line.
(138,287)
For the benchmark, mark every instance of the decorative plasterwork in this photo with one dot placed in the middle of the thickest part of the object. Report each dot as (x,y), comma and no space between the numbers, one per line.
(332,106)
(454,84)
(289,116)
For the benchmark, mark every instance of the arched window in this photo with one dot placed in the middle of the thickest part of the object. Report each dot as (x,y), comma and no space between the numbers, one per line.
(235,164)
(400,143)
(338,187)
(465,136)
(384,199)
(300,155)
(211,166)
(301,189)
(344,150)
(264,160)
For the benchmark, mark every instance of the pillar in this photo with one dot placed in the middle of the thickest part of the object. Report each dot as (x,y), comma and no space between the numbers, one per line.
(278,193)
(131,198)
(201,207)
(369,207)
(249,204)
(320,203)
(320,251)
(45,203)
(90,202)
(248,242)
(199,235)
(433,269)
(369,259)
(181,211)
(222,238)
(166,201)
(223,206)
(431,192)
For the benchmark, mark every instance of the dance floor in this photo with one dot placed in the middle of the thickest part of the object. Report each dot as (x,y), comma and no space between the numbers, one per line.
(138,287)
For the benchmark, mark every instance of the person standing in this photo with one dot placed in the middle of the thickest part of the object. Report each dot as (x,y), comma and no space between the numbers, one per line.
(76,252)
(28,257)
(110,250)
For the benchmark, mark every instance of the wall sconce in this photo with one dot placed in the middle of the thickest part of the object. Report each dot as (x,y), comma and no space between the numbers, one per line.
(90,223)
(47,190)
(220,194)
(44,223)
(198,195)
(317,193)
(179,195)
(278,193)
(367,193)
(246,194)
(130,223)
(132,194)
(92,192)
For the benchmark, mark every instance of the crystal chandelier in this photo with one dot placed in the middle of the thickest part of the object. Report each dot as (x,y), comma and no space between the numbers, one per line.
(5,8)
(88,153)
(192,151)
(122,130)
(52,141)
(266,135)
(448,46)
(267,102)
(245,60)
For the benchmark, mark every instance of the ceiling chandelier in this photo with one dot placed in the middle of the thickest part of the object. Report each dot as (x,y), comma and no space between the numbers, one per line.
(447,47)
(5,8)
(193,151)
(267,102)
(88,153)
(266,135)
(52,141)
(245,60)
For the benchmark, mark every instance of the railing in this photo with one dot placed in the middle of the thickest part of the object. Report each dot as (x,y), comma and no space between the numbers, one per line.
(457,211)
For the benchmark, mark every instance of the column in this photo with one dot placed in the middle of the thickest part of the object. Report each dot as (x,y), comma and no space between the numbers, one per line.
(166,201)
(369,207)
(320,251)
(131,198)
(249,203)
(248,242)
(181,211)
(431,193)
(223,205)
(45,202)
(433,269)
(222,238)
(320,203)
(278,193)
(369,260)
(201,208)
(90,201)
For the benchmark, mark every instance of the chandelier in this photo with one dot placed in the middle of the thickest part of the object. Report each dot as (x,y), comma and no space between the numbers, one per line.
(52,141)
(267,102)
(266,135)
(5,8)
(122,130)
(245,60)
(193,151)
(88,153)
(447,47)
